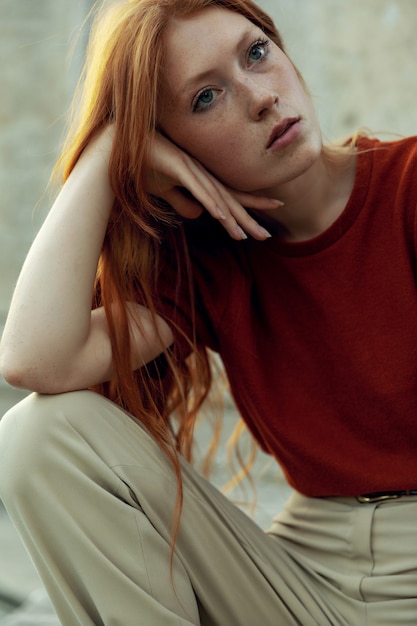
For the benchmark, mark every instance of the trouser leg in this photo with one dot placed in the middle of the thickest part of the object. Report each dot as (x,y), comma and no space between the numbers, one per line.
(93,499)
(97,554)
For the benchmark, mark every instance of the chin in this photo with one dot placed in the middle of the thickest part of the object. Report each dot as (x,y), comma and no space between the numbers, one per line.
(303,161)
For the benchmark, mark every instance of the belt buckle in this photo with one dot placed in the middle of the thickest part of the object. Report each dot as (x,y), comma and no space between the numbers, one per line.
(370,497)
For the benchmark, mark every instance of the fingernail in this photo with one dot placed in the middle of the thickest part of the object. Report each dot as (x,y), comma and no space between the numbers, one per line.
(220,213)
(264,232)
(276,202)
(242,233)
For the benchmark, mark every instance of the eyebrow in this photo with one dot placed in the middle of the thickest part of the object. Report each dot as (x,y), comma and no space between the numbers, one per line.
(203,76)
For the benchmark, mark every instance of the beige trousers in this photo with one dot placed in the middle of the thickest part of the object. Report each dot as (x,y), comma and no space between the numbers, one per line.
(93,499)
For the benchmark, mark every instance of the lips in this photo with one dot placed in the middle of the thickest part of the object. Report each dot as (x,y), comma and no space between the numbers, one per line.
(281,129)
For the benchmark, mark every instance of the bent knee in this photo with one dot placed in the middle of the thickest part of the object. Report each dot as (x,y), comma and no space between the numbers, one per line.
(29,443)
(47,442)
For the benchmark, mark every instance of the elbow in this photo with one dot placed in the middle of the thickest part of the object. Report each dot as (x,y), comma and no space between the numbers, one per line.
(32,381)
(9,370)
(19,377)
(14,377)
(18,373)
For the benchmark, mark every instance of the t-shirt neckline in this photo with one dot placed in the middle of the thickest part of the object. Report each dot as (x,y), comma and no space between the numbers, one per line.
(346,219)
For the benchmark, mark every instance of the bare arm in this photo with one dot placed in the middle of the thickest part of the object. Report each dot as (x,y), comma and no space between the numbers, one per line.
(52,342)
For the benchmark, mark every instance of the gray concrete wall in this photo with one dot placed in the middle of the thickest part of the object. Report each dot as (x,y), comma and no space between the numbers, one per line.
(36,83)
(358,57)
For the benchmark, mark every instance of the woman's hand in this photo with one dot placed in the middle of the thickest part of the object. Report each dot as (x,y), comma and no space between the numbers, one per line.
(171,171)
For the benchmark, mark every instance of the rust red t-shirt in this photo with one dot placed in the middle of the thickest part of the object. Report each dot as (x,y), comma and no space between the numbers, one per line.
(319,338)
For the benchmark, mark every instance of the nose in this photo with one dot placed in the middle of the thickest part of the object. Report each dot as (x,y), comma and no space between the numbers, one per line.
(261,98)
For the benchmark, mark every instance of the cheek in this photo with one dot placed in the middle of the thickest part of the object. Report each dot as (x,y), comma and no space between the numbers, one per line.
(222,146)
(218,150)
(215,146)
(225,158)
(230,153)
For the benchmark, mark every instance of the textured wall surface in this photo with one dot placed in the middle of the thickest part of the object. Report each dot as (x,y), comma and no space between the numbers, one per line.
(36,83)
(358,59)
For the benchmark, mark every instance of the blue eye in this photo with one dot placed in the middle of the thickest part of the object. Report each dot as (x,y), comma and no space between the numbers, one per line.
(204,99)
(258,50)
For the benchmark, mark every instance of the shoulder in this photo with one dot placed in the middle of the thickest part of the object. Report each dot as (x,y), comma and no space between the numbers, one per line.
(387,151)
(389,165)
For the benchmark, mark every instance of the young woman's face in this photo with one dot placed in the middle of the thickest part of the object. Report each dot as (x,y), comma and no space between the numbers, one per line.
(233,100)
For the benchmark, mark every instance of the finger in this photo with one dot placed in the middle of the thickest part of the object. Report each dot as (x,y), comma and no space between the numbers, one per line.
(210,194)
(240,219)
(234,217)
(230,205)
(251,201)
(221,204)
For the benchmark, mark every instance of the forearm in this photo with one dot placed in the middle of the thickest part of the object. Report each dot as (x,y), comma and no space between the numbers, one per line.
(49,322)
(93,364)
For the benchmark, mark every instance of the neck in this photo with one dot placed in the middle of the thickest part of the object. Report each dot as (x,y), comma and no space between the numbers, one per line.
(314,200)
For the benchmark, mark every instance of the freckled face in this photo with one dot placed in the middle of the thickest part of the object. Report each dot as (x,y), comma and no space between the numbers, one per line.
(232,99)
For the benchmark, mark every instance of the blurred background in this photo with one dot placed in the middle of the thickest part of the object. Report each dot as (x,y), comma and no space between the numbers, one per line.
(358,59)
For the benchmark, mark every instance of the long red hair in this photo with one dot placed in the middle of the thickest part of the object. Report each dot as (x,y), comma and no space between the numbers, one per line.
(120,84)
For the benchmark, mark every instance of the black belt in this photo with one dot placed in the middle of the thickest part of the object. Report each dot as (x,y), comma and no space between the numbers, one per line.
(378,496)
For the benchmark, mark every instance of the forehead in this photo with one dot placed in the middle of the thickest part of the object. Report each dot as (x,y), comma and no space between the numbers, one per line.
(208,22)
(196,42)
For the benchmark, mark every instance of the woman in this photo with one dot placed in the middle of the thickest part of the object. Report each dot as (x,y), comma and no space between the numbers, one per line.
(192,105)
